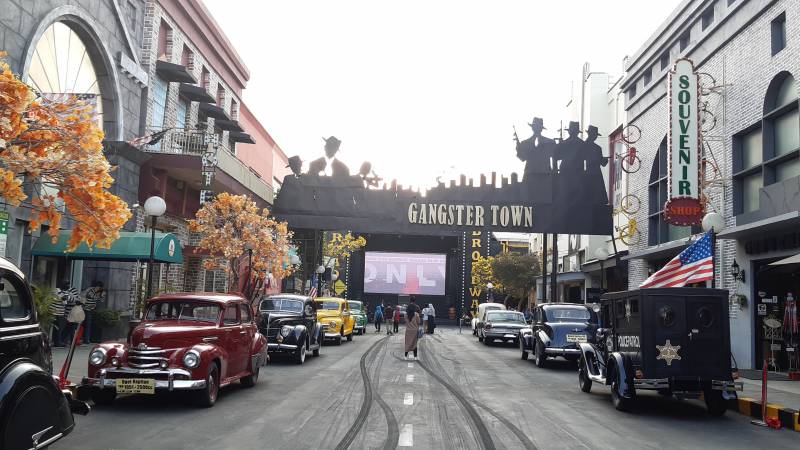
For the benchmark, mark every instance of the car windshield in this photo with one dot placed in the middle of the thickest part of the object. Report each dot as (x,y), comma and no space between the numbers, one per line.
(281,304)
(355,306)
(496,316)
(568,314)
(332,306)
(185,310)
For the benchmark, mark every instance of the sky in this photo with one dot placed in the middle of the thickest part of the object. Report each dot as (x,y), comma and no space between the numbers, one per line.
(424,88)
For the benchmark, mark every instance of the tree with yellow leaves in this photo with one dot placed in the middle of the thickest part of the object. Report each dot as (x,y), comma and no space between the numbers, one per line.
(58,145)
(341,246)
(230,227)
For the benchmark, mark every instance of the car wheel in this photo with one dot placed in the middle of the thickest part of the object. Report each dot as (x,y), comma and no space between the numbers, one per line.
(252,379)
(300,355)
(104,397)
(338,340)
(583,376)
(522,349)
(316,351)
(208,396)
(538,354)
(715,403)
(620,403)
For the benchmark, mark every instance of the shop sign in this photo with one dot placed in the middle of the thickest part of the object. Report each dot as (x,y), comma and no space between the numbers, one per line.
(774,299)
(3,232)
(209,165)
(684,206)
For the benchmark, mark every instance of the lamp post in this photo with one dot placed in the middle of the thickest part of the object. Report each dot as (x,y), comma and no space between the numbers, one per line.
(249,247)
(602,254)
(320,271)
(713,223)
(489,287)
(154,207)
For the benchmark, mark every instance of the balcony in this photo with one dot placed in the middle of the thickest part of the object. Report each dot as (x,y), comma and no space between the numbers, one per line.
(178,156)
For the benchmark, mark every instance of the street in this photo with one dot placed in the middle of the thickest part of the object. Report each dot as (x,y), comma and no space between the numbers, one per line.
(460,394)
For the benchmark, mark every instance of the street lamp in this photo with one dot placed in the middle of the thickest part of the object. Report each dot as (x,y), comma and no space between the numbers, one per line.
(249,247)
(489,287)
(601,254)
(320,271)
(713,223)
(154,207)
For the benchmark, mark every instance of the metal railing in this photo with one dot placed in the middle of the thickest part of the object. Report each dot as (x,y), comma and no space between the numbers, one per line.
(183,141)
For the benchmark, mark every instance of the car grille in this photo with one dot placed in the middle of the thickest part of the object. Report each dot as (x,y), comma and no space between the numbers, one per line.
(146,358)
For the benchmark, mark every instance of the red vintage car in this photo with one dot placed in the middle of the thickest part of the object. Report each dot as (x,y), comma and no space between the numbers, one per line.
(196,341)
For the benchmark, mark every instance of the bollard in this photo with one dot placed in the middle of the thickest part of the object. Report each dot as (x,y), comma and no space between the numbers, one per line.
(763,421)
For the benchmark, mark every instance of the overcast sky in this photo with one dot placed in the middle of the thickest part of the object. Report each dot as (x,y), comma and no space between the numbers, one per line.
(422,88)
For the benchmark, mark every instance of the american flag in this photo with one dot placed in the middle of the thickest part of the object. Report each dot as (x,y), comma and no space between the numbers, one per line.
(692,265)
(148,139)
(313,291)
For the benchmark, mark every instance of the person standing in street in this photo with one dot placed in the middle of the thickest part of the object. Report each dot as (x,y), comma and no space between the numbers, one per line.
(425,315)
(387,312)
(396,319)
(69,296)
(94,295)
(431,318)
(378,317)
(412,328)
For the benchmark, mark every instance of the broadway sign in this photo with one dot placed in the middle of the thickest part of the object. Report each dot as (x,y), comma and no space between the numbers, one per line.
(684,206)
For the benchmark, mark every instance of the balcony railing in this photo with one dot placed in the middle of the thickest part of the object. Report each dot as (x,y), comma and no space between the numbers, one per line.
(183,141)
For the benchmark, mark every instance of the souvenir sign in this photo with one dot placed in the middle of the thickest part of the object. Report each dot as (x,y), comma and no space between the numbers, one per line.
(684,206)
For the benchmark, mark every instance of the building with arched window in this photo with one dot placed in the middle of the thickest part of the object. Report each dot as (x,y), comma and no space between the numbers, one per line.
(748,56)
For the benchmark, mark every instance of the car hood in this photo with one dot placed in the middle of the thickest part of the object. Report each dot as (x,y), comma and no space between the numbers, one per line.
(172,333)
(327,314)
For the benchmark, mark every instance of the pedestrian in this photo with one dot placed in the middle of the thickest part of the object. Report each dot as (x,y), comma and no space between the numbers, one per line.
(396,319)
(69,296)
(92,296)
(425,315)
(412,328)
(59,319)
(431,318)
(378,317)
(388,314)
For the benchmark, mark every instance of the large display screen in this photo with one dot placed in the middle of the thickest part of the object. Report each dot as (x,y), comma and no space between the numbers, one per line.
(404,273)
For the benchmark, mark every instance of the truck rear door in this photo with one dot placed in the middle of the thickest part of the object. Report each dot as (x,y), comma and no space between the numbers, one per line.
(668,353)
(704,352)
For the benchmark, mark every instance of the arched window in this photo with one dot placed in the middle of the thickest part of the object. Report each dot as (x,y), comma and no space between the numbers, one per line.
(659,231)
(769,151)
(61,64)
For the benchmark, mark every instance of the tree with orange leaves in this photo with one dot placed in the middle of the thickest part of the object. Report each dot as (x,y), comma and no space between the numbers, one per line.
(229,226)
(58,145)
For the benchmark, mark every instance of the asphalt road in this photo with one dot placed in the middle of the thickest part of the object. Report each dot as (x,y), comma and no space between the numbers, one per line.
(460,394)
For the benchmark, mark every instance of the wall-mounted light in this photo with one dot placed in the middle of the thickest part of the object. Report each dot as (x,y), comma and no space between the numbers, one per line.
(736,272)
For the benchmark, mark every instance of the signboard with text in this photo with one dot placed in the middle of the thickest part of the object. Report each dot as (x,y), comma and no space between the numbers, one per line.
(684,206)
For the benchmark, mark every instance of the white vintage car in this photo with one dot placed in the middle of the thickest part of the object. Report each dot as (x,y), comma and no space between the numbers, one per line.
(480,317)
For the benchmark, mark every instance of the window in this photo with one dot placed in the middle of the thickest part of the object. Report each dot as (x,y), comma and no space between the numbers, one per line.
(245,311)
(220,96)
(187,57)
(751,184)
(658,230)
(683,42)
(632,92)
(160,89)
(164,41)
(778,33)
(205,79)
(215,281)
(707,18)
(787,133)
(14,304)
(730,2)
(183,111)
(648,76)
(234,110)
(664,60)
(231,316)
(752,153)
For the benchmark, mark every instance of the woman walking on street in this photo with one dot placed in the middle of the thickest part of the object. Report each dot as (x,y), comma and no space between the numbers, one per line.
(412,328)
(425,319)
(431,318)
(378,317)
(387,313)
(396,319)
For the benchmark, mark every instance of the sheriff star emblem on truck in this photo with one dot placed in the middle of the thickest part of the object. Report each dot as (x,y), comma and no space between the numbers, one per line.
(668,352)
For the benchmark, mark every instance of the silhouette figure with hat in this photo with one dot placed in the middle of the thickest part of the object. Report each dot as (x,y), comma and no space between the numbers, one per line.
(536,151)
(568,158)
(594,158)
(296,164)
(338,169)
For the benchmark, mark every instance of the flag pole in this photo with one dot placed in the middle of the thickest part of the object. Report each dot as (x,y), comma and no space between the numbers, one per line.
(713,258)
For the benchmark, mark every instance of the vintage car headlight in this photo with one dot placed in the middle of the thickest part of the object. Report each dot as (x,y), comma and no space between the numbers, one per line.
(191,359)
(332,324)
(97,357)
(286,330)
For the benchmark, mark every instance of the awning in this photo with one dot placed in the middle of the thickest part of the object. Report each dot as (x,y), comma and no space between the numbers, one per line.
(241,137)
(174,72)
(790,260)
(564,277)
(761,227)
(228,125)
(213,111)
(194,93)
(131,246)
(667,250)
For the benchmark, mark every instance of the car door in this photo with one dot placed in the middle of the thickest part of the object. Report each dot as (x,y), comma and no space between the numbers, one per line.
(233,338)
(250,330)
(310,322)
(349,320)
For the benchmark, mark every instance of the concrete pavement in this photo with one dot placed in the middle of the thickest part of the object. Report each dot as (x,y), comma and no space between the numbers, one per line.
(460,394)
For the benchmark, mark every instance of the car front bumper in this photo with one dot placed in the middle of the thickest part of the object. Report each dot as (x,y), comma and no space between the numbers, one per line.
(273,347)
(501,335)
(694,385)
(108,378)
(557,351)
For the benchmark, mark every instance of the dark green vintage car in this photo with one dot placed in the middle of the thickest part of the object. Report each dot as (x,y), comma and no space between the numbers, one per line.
(357,310)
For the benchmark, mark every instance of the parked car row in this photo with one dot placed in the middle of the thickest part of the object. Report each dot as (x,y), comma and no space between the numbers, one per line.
(673,341)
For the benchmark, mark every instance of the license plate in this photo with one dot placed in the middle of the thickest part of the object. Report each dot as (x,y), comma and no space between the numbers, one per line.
(136,386)
(576,338)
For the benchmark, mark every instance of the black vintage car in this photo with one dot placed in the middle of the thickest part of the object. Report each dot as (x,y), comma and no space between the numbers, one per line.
(290,324)
(34,410)
(502,326)
(556,330)
(673,340)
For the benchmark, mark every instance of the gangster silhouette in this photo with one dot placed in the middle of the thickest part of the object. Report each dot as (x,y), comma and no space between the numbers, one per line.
(536,151)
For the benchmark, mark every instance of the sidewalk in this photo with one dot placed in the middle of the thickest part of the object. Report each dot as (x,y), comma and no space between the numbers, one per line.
(783,401)
(80,361)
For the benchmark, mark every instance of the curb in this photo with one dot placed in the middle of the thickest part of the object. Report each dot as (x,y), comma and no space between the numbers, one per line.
(790,418)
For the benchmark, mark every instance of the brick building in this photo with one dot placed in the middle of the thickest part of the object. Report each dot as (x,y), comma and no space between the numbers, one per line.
(748,54)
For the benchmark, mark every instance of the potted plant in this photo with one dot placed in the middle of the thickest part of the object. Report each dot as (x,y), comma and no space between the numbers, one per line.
(106,318)
(43,298)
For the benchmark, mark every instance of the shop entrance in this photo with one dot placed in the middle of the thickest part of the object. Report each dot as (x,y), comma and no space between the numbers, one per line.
(775,341)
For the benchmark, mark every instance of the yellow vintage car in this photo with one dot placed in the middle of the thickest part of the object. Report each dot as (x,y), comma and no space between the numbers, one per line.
(335,317)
